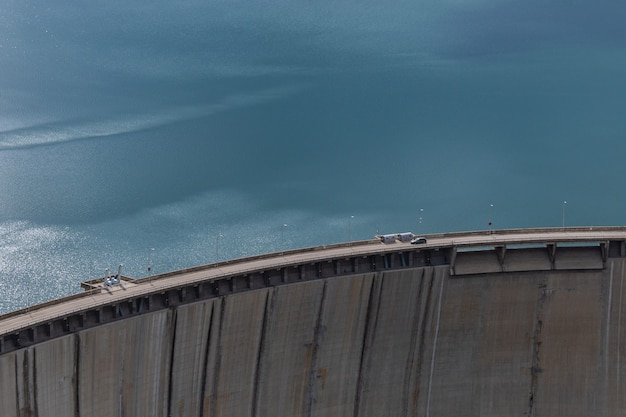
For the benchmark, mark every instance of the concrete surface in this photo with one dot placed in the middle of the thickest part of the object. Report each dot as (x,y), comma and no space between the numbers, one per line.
(416,341)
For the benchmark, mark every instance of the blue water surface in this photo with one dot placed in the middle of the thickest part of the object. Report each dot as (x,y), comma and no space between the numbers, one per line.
(167,135)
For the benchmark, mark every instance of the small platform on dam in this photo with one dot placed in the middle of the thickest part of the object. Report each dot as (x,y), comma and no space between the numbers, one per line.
(518,322)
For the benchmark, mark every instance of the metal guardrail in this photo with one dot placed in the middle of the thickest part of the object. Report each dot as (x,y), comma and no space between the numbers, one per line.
(254,258)
(213,266)
(50,303)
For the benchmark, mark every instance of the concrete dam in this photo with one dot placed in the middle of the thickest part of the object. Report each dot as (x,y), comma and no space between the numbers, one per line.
(502,323)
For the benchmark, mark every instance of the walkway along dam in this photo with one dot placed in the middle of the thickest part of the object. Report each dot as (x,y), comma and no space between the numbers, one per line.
(508,323)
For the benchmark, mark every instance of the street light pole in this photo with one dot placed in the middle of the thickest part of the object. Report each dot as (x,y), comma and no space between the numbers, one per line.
(217,247)
(282,235)
(419,227)
(150,261)
(350,229)
(150,258)
(490,222)
(563,218)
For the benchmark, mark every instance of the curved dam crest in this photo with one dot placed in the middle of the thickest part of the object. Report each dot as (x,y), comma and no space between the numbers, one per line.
(410,340)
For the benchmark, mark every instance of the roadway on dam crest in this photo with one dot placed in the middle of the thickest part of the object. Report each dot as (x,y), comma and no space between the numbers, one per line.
(128,289)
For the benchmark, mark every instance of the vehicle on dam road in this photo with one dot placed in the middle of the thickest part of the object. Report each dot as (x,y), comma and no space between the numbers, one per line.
(418,240)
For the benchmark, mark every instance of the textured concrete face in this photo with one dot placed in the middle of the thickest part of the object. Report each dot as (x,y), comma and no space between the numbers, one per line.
(8,386)
(123,368)
(485,342)
(55,364)
(399,342)
(26,383)
(572,346)
(415,342)
(614,340)
(233,358)
(336,357)
(192,330)
(288,348)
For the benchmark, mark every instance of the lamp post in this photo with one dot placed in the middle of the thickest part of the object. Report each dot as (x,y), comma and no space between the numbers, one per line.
(217,246)
(419,226)
(150,261)
(282,235)
(489,220)
(350,229)
(563,217)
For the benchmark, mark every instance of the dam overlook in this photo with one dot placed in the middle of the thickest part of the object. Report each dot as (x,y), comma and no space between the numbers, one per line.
(491,323)
(237,157)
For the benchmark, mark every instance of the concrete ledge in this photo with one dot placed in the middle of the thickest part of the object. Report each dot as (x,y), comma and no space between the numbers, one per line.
(578,258)
(531,259)
(479,262)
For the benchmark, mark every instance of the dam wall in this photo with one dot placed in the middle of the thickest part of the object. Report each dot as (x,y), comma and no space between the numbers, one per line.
(427,340)
(328,347)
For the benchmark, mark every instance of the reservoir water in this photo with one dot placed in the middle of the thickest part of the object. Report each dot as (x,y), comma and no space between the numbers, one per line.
(168,135)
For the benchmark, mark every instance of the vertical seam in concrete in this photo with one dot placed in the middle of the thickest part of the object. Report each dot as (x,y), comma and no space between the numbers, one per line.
(171,370)
(122,353)
(376,316)
(75,379)
(425,318)
(270,298)
(619,326)
(25,366)
(17,386)
(366,336)
(608,327)
(414,343)
(536,343)
(206,364)
(310,400)
(432,358)
(34,375)
(218,358)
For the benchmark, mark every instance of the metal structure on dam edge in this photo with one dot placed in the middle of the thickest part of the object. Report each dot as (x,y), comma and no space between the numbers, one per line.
(519,322)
